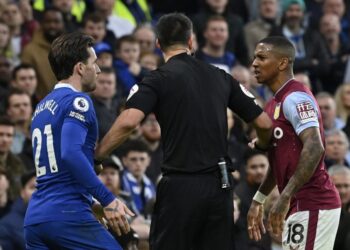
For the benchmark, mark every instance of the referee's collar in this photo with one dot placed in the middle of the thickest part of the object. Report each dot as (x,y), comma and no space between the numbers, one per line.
(64,85)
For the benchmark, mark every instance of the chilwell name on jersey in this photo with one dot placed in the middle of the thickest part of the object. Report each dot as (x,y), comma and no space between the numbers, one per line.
(49,105)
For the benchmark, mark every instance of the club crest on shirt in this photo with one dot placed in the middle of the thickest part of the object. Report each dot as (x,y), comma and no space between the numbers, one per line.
(133,90)
(276,114)
(306,112)
(81,104)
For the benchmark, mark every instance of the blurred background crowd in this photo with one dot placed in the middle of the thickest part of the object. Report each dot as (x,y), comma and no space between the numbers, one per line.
(226,33)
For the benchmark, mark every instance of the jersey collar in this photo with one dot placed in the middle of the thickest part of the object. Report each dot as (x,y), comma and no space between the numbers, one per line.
(64,85)
(284,84)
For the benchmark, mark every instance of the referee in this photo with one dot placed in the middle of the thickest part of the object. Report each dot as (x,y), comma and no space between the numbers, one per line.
(189,97)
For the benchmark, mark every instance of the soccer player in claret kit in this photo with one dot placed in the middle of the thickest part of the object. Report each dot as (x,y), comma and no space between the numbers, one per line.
(309,201)
(64,133)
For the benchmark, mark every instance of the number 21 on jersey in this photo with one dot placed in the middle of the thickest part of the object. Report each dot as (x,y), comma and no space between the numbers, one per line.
(38,137)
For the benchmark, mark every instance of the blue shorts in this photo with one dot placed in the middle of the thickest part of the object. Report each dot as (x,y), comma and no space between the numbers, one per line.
(69,235)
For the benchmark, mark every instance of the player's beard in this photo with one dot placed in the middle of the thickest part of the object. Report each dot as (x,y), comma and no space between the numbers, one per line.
(89,86)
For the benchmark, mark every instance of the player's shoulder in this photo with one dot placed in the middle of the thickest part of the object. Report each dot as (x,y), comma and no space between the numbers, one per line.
(79,101)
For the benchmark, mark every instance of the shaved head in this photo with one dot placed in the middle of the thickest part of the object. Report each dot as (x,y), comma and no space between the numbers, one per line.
(281,47)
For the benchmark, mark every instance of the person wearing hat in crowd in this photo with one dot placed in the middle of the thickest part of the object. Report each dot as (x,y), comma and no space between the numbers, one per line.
(104,54)
(11,225)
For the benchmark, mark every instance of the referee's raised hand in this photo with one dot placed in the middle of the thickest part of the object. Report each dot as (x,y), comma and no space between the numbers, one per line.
(115,214)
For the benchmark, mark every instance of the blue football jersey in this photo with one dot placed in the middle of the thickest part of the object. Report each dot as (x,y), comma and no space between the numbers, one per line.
(59,196)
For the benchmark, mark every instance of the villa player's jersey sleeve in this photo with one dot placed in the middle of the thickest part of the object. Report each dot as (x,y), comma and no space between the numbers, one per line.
(301,110)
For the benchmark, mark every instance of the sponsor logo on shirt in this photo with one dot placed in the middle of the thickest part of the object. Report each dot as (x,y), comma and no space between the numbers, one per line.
(78,116)
(306,112)
(81,104)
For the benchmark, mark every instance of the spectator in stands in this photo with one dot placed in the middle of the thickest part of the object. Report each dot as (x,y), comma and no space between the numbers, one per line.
(311,53)
(135,11)
(6,49)
(338,8)
(150,134)
(256,166)
(304,79)
(244,76)
(5,78)
(329,112)
(340,175)
(236,42)
(104,55)
(19,110)
(146,36)
(105,100)
(342,100)
(213,52)
(136,160)
(5,202)
(70,21)
(258,29)
(36,52)
(9,163)
(95,25)
(127,66)
(13,18)
(30,24)
(337,146)
(115,23)
(338,50)
(341,178)
(24,78)
(11,225)
(149,61)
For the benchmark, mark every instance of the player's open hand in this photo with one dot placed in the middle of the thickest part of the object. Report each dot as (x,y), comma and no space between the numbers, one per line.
(277,215)
(255,221)
(115,214)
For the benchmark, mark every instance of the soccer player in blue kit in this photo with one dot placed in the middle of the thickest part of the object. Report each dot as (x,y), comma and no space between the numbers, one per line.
(64,132)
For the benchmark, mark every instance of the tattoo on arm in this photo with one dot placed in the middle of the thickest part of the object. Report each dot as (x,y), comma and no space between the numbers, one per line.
(311,154)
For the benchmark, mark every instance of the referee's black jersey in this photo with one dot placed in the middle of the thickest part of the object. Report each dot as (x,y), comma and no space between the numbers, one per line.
(190,100)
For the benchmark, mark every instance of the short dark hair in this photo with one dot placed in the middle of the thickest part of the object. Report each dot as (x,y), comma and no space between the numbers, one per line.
(95,18)
(20,67)
(5,121)
(281,46)
(172,29)
(66,51)
(27,177)
(14,91)
(125,39)
(250,153)
(213,19)
(135,145)
(107,70)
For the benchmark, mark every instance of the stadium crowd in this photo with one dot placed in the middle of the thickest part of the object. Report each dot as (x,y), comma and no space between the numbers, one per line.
(226,33)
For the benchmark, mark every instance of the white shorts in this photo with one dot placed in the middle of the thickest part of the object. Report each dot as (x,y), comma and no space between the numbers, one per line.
(311,230)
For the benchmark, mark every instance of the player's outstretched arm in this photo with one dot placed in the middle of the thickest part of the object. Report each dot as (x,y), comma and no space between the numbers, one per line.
(310,157)
(256,211)
(127,121)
